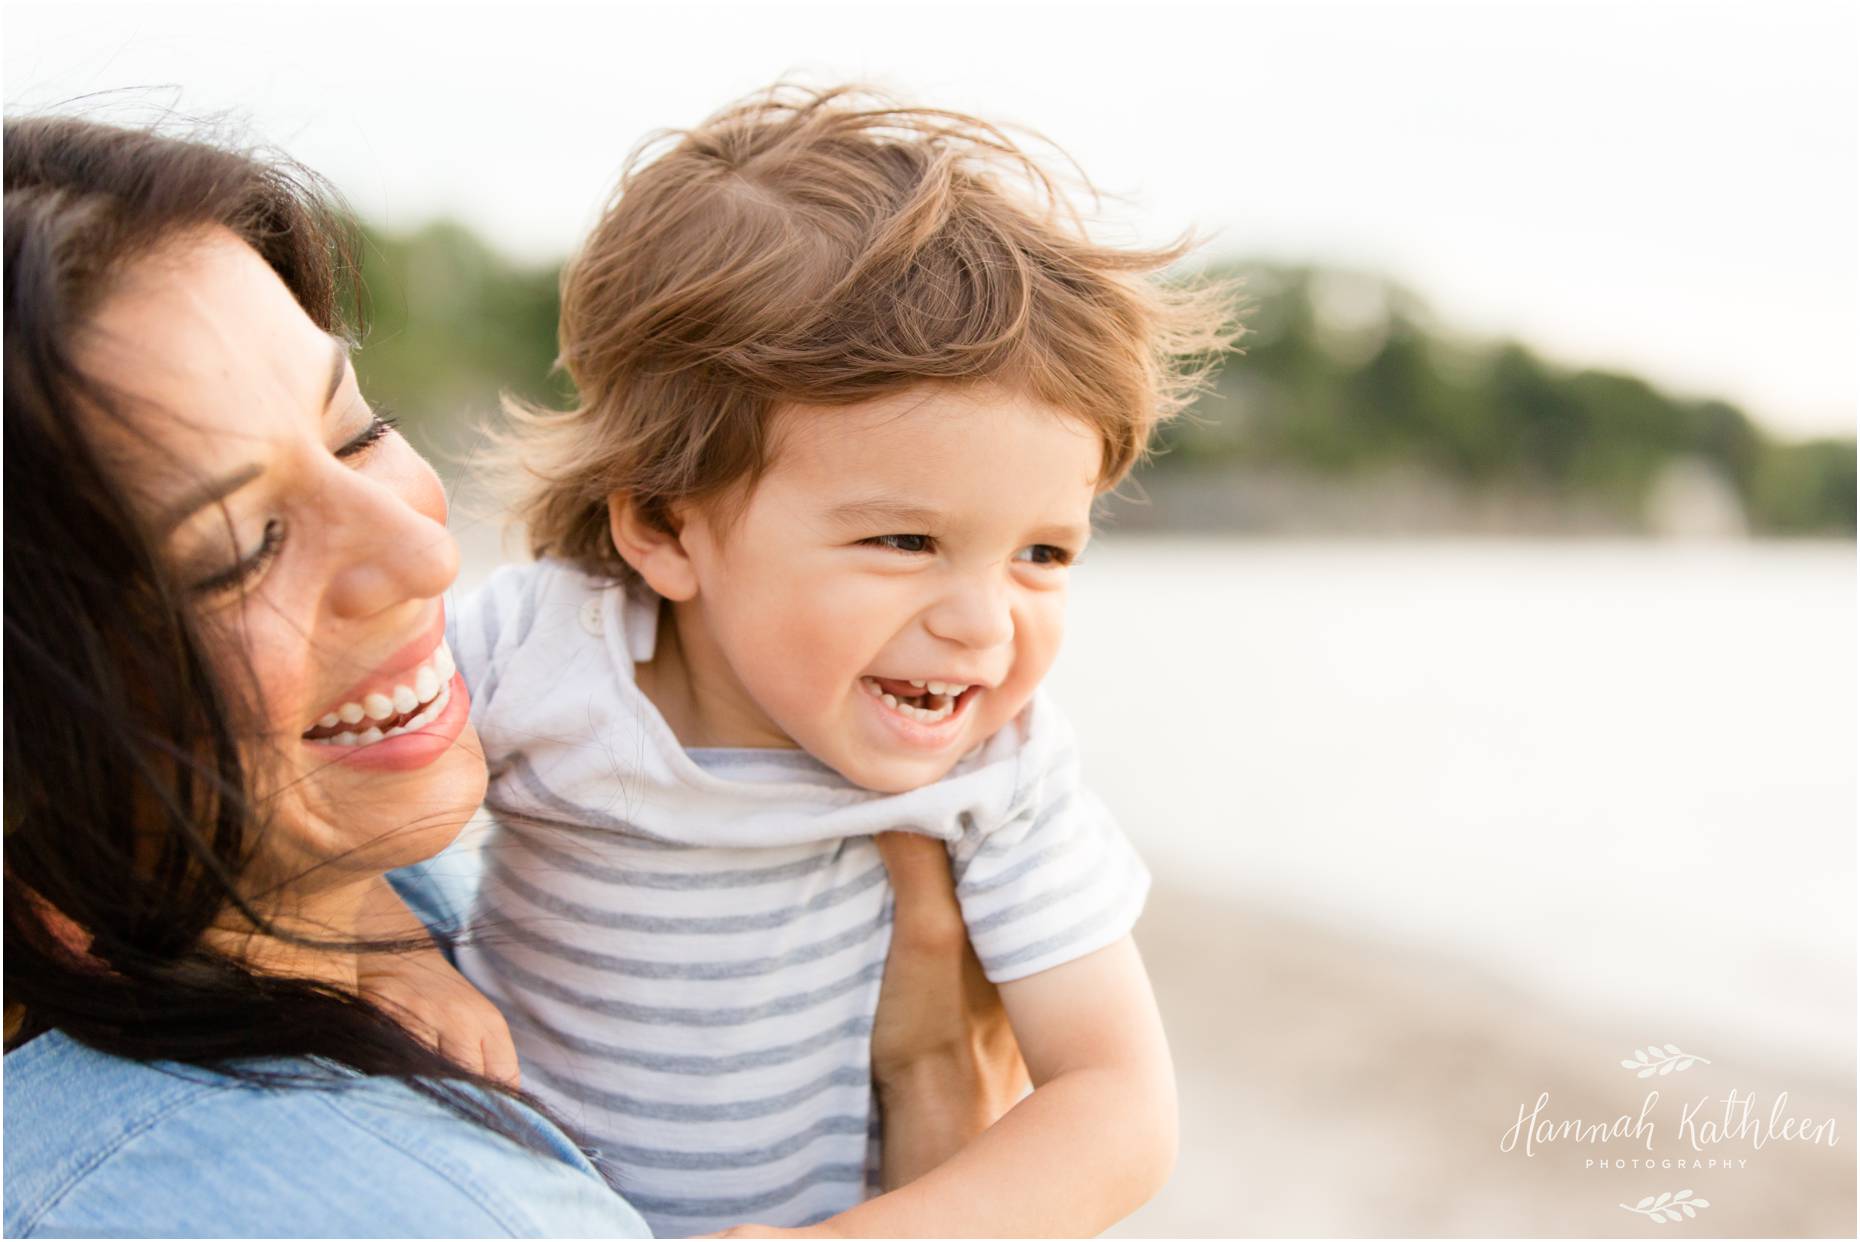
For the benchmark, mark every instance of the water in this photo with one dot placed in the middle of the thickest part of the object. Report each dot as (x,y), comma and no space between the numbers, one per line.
(1619,774)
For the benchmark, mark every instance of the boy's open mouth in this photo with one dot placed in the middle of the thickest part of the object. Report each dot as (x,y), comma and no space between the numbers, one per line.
(928,702)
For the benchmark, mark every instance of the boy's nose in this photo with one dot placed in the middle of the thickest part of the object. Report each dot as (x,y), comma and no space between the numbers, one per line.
(975,614)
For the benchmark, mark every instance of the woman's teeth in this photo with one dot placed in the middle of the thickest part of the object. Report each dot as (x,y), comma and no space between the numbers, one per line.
(934,705)
(402,710)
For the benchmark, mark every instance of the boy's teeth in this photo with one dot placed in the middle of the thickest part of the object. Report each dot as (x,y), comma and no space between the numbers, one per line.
(351,713)
(379,706)
(928,715)
(425,683)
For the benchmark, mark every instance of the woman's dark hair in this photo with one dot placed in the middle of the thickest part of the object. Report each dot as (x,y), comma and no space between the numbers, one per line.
(128,823)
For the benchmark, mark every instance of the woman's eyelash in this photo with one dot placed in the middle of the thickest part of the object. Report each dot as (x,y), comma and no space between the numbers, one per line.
(248,568)
(382,423)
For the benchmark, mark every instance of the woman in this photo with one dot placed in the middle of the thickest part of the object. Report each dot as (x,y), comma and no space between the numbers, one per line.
(210,538)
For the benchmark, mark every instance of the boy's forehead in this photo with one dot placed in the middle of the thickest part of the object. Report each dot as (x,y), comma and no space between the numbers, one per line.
(920,431)
(935,463)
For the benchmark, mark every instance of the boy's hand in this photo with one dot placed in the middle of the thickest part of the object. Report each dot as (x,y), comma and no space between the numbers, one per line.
(438,1007)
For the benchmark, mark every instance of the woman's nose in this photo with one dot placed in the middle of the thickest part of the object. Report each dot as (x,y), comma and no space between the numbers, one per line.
(977,613)
(392,546)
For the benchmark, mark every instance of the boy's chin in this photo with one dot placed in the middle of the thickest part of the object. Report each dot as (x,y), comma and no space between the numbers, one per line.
(894,775)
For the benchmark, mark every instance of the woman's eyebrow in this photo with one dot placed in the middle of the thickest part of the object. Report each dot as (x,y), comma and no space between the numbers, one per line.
(210,492)
(214,490)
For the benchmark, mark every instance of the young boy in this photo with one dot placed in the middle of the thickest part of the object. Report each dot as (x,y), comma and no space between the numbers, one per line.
(850,377)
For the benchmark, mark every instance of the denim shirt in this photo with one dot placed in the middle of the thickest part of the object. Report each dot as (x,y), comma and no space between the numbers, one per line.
(98,1145)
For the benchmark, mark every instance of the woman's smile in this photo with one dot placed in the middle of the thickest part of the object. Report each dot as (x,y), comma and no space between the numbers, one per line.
(422,737)
(405,713)
(384,713)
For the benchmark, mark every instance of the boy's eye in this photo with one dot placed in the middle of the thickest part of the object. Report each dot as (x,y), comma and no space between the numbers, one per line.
(1044,554)
(901,543)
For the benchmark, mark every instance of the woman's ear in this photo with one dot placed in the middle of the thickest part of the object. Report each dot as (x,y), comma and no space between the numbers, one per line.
(656,554)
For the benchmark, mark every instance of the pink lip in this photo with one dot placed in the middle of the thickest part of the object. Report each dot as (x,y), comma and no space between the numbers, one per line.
(406,751)
(409,657)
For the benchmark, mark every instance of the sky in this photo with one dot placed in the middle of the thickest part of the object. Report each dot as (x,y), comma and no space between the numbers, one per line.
(1666,188)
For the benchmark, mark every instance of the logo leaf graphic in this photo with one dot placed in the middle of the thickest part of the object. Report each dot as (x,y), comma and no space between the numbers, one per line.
(1670,1206)
(1661,1059)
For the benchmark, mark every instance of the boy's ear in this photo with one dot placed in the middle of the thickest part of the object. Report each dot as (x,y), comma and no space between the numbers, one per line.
(657,555)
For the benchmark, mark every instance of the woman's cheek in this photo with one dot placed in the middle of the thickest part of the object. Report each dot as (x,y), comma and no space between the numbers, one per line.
(285,681)
(256,657)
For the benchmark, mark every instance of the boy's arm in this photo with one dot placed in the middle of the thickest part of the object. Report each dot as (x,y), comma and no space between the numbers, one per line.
(1095,1139)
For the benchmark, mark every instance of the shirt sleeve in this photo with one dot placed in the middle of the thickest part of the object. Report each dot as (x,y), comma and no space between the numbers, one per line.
(1056,878)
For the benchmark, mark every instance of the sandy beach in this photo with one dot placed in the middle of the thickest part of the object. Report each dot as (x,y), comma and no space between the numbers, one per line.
(1341,1087)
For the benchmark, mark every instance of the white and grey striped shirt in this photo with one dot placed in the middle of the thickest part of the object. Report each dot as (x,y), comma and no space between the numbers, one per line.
(688,944)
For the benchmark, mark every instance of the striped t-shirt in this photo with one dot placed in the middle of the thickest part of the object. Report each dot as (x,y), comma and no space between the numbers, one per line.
(688,945)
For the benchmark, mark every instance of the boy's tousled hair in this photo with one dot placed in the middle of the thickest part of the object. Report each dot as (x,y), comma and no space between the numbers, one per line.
(824,247)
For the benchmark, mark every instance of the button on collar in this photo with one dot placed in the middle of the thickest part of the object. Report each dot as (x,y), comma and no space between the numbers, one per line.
(591,616)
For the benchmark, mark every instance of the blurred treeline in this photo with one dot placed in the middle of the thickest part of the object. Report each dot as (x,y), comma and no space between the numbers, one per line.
(1345,389)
